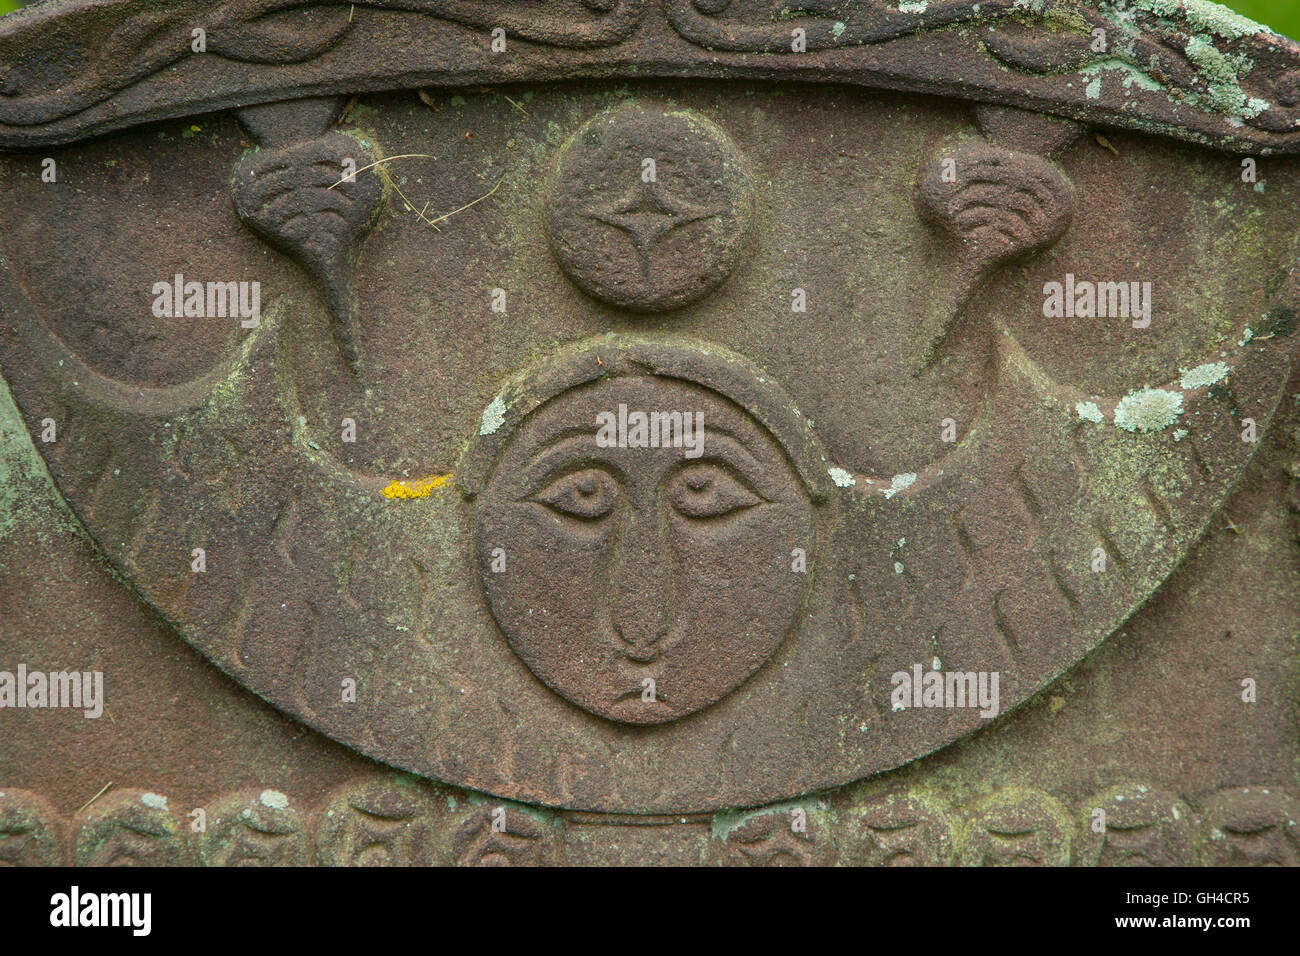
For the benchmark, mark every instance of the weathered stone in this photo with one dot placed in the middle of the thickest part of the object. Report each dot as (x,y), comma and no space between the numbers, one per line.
(673,233)
(608,458)
(131,828)
(254,829)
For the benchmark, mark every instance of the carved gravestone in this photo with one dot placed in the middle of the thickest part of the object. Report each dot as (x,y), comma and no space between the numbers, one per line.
(607,414)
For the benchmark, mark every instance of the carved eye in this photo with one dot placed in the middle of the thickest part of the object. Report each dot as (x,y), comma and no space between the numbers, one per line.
(709,491)
(587,495)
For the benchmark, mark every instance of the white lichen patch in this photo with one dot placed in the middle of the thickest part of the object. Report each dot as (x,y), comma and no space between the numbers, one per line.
(913,6)
(154,802)
(898,567)
(899,483)
(1203,376)
(273,799)
(494,416)
(1148,410)
(1180,434)
(841,478)
(1090,412)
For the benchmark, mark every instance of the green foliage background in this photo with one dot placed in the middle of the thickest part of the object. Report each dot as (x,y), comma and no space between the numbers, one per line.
(1282,15)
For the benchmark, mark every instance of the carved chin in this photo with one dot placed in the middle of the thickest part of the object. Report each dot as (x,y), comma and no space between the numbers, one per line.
(620,689)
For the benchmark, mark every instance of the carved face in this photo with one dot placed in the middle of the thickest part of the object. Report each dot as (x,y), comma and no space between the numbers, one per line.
(643,583)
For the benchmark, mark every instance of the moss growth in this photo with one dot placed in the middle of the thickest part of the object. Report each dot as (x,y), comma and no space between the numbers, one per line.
(28,498)
(729,821)
(1280,321)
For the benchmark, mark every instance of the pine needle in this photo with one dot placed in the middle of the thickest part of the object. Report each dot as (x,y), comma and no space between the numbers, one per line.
(468,204)
(380,162)
(96,796)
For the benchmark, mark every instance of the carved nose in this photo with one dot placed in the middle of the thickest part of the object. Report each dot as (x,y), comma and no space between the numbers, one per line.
(640,587)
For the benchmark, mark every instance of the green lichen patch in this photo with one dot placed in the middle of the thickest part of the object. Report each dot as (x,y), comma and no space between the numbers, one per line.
(1222,73)
(1203,30)
(1130,75)
(1203,16)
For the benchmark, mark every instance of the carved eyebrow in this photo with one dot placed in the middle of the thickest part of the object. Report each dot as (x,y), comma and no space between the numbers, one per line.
(576,431)
(542,460)
(580,431)
(737,447)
